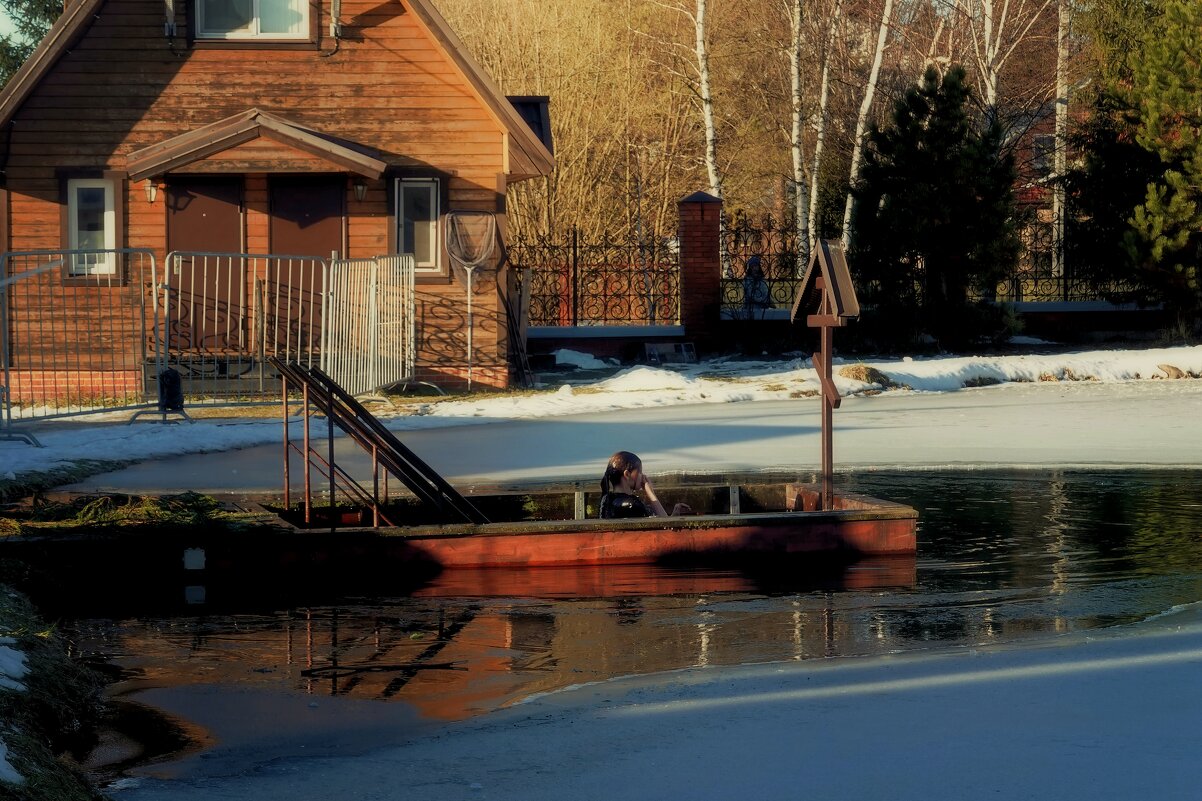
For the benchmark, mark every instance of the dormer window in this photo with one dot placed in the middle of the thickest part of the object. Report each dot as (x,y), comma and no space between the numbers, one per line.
(252,19)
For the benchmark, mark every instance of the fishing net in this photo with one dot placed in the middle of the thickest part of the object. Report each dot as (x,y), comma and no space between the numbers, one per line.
(471,241)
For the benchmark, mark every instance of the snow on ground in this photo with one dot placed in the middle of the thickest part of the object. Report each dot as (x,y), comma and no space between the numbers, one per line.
(721,381)
(12,671)
(7,772)
(12,665)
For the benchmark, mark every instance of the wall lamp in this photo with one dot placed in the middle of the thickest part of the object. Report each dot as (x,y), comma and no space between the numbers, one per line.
(152,190)
(360,190)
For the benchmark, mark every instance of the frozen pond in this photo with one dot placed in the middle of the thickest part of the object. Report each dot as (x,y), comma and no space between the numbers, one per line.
(1003,556)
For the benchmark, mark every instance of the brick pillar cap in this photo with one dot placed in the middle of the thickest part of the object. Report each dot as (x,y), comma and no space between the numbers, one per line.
(701,197)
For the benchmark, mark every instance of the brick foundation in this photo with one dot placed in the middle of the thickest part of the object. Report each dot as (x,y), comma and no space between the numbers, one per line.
(78,386)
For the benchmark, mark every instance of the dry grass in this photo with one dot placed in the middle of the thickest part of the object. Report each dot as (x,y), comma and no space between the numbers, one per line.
(56,714)
(869,375)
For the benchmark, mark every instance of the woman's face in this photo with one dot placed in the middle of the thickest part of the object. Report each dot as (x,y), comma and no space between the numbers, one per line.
(634,477)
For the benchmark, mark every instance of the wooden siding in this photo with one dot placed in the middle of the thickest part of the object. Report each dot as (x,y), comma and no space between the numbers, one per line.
(388,86)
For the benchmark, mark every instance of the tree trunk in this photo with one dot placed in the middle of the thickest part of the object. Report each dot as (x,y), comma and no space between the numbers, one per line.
(822,119)
(801,210)
(1061,138)
(707,102)
(862,120)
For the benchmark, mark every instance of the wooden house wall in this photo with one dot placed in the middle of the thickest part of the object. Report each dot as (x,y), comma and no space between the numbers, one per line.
(385,84)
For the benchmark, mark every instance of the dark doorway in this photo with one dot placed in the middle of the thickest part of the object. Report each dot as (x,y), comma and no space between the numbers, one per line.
(207,313)
(306,215)
(204,215)
(306,221)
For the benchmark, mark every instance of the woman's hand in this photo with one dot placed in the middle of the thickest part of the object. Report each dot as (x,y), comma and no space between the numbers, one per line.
(682,509)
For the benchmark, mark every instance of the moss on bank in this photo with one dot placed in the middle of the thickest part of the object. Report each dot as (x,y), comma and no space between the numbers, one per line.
(38,515)
(52,720)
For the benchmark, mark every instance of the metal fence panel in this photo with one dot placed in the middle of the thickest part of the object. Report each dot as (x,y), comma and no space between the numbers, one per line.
(370,330)
(225,313)
(581,283)
(77,332)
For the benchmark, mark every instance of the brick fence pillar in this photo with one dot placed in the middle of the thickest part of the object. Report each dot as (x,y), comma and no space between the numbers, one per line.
(700,267)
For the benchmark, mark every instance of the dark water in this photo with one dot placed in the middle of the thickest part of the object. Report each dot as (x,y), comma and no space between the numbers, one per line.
(1003,556)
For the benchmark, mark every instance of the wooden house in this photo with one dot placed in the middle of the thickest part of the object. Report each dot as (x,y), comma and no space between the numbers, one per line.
(268,127)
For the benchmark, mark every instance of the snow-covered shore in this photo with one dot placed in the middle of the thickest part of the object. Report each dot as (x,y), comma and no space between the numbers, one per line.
(694,392)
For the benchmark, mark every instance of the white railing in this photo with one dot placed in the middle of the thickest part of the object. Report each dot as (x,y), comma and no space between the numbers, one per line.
(369,336)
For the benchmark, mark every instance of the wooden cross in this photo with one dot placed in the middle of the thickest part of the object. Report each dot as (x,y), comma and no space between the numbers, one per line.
(827,289)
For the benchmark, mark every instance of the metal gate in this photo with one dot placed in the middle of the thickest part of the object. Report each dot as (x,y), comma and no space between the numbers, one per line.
(77,333)
(369,336)
(225,313)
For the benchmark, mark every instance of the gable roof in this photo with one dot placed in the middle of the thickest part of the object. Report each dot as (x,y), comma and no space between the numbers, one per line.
(526,155)
(829,262)
(251,124)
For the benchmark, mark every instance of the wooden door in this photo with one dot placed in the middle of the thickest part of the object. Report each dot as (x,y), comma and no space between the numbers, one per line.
(208,305)
(307,221)
(307,215)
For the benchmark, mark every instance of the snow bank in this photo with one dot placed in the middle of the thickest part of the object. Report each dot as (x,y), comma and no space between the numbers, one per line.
(584,361)
(713,382)
(12,665)
(7,772)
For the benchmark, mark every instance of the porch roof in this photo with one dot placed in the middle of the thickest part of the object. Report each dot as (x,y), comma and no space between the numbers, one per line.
(216,137)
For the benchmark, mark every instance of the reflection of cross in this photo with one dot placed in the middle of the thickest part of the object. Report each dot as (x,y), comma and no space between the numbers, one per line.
(827,288)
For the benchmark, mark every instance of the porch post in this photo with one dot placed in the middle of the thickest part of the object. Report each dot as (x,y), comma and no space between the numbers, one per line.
(700,267)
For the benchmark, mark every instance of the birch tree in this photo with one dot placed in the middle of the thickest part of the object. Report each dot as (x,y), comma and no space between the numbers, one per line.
(1060,157)
(801,196)
(862,119)
(822,116)
(996,31)
(704,90)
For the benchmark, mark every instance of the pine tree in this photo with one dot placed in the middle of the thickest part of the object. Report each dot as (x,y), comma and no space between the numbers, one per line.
(1167,91)
(935,213)
(31,20)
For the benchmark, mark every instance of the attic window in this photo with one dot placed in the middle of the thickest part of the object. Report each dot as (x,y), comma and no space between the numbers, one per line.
(252,19)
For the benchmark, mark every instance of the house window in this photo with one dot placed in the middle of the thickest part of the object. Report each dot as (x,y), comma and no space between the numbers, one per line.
(252,19)
(417,207)
(91,226)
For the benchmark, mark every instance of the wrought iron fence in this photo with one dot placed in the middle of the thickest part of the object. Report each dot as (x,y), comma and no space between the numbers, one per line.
(1033,287)
(761,267)
(580,283)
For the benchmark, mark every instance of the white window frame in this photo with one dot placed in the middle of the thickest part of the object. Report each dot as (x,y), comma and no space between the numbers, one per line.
(105,264)
(431,185)
(253,33)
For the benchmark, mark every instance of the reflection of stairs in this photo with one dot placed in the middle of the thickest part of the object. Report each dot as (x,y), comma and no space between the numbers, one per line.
(371,435)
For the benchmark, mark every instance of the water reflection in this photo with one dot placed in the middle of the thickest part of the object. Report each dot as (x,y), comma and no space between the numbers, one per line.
(1003,555)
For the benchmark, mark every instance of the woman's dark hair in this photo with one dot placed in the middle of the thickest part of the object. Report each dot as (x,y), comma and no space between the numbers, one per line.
(619,463)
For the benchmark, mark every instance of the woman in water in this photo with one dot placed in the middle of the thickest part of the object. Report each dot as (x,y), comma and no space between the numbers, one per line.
(624,477)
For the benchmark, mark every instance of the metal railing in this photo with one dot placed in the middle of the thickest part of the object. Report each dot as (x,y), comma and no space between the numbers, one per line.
(83,332)
(77,332)
(369,328)
(225,313)
(606,282)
